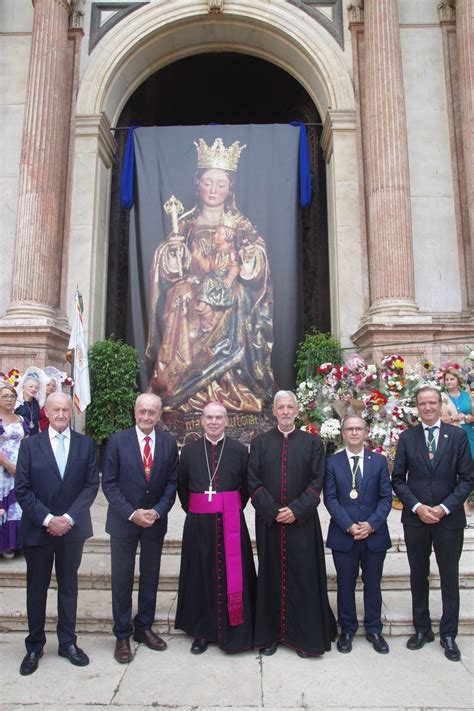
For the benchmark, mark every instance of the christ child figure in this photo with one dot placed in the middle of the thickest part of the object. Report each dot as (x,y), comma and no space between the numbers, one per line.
(222,267)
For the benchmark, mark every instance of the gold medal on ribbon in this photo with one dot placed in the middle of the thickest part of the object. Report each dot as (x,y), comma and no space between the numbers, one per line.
(147,471)
(353,494)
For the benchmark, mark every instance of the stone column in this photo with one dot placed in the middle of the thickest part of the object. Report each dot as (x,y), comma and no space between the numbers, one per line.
(43,168)
(34,329)
(465,45)
(390,249)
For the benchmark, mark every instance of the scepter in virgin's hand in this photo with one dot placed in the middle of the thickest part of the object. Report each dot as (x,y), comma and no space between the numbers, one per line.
(174,207)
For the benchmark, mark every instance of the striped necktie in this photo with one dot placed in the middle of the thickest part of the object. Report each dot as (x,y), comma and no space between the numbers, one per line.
(356,471)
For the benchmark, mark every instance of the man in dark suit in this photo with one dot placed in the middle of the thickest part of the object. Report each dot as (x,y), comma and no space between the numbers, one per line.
(139,480)
(433,476)
(358,495)
(57,479)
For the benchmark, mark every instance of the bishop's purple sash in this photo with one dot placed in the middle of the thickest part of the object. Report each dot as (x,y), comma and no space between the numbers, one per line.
(227,503)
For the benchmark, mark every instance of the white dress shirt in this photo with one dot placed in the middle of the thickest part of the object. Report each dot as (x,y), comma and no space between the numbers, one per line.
(360,462)
(141,440)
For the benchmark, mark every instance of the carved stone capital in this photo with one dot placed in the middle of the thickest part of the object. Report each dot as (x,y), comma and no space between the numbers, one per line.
(66,4)
(355,11)
(447,11)
(76,18)
(98,126)
(215,6)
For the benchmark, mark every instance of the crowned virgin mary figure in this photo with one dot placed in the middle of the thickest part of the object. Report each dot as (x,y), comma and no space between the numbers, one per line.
(212,344)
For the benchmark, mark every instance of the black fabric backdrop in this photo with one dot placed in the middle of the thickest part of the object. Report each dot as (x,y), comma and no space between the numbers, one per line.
(266,192)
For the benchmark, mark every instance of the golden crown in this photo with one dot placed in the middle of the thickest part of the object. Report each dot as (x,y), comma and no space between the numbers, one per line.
(217,155)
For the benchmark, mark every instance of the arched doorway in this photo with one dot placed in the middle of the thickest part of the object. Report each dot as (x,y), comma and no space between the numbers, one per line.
(153,38)
(225,88)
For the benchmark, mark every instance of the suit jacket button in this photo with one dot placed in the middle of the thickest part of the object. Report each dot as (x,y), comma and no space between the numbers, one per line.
(147,491)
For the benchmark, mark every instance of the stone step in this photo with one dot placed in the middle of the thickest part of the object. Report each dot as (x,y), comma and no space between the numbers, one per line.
(172,544)
(94,613)
(94,573)
(100,544)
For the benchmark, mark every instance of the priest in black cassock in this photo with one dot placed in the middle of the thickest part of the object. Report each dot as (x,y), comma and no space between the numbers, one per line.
(285,476)
(216,597)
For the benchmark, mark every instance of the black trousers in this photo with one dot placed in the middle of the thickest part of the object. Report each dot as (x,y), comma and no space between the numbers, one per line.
(123,551)
(447,544)
(39,565)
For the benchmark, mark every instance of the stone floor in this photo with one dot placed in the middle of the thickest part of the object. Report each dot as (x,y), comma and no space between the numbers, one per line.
(404,681)
(414,681)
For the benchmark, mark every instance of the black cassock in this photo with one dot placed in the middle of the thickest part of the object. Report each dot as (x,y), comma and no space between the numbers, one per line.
(202,596)
(292,601)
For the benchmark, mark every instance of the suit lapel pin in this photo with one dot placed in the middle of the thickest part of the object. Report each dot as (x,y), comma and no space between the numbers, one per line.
(446,436)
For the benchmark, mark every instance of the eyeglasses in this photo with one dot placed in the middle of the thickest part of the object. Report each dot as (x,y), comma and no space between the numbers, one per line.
(354,429)
(8,397)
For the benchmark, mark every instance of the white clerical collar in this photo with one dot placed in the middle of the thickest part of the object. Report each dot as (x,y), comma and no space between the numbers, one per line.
(217,440)
(285,434)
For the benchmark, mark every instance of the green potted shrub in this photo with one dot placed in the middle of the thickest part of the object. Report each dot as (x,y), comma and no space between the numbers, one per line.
(315,349)
(113,367)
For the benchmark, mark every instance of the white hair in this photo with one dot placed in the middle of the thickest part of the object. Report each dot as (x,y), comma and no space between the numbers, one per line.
(155,397)
(55,396)
(285,393)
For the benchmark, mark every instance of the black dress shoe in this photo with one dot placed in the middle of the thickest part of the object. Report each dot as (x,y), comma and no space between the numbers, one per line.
(302,654)
(344,643)
(378,643)
(271,649)
(199,646)
(75,655)
(451,649)
(419,639)
(30,663)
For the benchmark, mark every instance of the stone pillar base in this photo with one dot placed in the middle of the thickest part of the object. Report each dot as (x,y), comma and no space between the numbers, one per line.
(440,340)
(385,311)
(32,342)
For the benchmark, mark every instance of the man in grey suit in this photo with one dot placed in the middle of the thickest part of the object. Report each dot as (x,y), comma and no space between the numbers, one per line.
(433,475)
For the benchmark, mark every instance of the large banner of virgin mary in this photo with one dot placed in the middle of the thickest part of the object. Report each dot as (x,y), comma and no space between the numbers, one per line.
(214,270)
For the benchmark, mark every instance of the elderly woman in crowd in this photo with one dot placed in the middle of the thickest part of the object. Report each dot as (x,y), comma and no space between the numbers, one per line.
(457,403)
(31,398)
(12,431)
(53,385)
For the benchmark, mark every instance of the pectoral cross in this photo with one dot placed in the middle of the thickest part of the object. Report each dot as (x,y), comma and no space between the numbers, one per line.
(210,492)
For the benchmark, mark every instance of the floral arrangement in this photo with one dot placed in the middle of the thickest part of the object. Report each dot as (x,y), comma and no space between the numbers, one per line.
(384,395)
(13,377)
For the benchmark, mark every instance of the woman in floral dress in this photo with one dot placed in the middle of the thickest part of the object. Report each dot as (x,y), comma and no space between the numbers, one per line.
(11,434)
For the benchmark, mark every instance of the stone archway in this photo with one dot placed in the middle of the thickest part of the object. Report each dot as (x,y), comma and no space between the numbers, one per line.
(153,37)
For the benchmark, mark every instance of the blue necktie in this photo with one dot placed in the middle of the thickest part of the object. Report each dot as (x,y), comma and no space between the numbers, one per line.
(61,454)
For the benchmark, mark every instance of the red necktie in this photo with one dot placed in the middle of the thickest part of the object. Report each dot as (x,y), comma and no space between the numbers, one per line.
(147,458)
